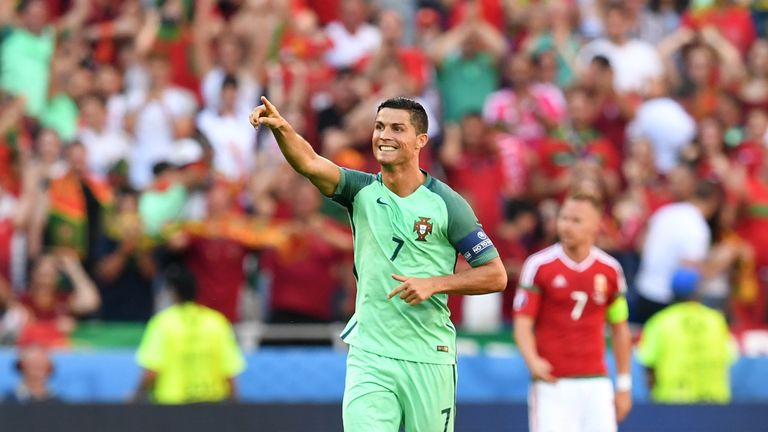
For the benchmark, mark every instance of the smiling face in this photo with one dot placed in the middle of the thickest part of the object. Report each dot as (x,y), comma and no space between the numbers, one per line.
(395,138)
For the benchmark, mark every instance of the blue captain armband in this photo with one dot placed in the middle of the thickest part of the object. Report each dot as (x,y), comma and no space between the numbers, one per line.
(475,244)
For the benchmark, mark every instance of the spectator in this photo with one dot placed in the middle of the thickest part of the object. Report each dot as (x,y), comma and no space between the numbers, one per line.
(473,167)
(653,20)
(709,61)
(753,90)
(615,110)
(230,62)
(678,236)
(105,145)
(125,266)
(109,86)
(726,17)
(27,50)
(189,353)
(665,124)
(35,367)
(51,307)
(12,314)
(635,63)
(515,243)
(416,68)
(351,36)
(559,39)
(214,249)
(466,58)
(575,148)
(157,118)
(69,83)
(344,96)
(232,140)
(306,273)
(77,202)
(687,349)
(525,109)
(43,165)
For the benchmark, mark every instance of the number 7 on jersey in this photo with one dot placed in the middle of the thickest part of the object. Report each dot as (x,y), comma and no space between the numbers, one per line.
(580,297)
(400,244)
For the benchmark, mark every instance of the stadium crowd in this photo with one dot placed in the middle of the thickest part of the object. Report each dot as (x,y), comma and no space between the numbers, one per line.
(125,146)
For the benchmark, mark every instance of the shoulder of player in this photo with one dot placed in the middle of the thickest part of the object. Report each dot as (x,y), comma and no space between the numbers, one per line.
(534,262)
(604,258)
(450,197)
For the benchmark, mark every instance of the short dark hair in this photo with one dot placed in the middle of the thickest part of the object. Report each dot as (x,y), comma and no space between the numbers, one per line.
(602,61)
(181,282)
(517,207)
(416,110)
(708,189)
(230,81)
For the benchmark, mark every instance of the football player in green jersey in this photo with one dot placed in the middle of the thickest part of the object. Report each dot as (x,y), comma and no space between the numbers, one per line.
(409,229)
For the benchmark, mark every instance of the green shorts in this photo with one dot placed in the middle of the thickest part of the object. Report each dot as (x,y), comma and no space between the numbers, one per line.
(383,393)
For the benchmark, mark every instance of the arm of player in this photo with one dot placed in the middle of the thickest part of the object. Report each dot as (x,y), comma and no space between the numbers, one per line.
(146,385)
(323,173)
(526,343)
(622,351)
(483,279)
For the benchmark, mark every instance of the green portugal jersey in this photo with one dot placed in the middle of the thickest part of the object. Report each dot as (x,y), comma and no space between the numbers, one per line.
(420,235)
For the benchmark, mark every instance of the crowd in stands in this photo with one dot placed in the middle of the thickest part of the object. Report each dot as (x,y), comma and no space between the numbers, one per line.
(125,146)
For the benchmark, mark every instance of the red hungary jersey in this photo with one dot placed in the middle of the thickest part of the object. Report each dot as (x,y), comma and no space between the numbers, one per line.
(569,301)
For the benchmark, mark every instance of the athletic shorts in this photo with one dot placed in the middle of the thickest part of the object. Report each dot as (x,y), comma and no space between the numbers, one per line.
(382,393)
(572,405)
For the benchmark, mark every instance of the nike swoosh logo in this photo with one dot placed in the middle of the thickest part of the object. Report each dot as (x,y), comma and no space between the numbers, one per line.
(378,200)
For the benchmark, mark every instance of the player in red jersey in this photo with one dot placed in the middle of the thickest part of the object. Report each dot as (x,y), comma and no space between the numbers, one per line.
(568,291)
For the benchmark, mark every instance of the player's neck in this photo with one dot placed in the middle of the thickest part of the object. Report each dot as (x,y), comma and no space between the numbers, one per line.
(577,253)
(402,180)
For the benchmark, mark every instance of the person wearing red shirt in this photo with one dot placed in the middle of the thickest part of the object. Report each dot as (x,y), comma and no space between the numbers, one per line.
(474,169)
(316,252)
(576,145)
(566,294)
(734,22)
(414,63)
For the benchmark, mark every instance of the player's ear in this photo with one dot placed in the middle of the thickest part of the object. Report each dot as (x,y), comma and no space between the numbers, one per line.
(421,140)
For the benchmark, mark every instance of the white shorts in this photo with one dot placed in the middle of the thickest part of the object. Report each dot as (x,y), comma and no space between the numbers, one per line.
(572,405)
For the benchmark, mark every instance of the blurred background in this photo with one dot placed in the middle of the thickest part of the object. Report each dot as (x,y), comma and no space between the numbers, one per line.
(125,149)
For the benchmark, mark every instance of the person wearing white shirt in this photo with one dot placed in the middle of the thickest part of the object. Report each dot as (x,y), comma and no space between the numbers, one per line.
(230,62)
(105,145)
(678,236)
(353,38)
(232,140)
(157,118)
(665,124)
(636,63)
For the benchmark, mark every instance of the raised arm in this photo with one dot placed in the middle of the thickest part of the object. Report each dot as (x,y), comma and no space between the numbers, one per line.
(85,297)
(323,173)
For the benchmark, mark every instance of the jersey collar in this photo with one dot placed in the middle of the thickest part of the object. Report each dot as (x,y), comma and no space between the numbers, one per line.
(573,265)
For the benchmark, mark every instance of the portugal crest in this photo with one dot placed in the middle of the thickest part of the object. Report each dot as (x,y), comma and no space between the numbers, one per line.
(422,228)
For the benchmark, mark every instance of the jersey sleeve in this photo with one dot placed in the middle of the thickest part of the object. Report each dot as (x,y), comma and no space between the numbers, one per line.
(618,309)
(350,183)
(232,361)
(465,232)
(650,343)
(150,354)
(528,295)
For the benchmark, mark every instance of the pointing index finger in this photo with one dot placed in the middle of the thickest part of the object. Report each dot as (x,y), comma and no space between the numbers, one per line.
(271,108)
(396,290)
